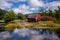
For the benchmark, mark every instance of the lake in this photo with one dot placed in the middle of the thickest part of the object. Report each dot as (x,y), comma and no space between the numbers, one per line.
(28,34)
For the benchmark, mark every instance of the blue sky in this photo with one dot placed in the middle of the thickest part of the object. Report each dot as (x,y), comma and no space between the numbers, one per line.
(29,6)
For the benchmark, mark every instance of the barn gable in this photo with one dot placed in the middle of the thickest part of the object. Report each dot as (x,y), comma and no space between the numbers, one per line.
(31,16)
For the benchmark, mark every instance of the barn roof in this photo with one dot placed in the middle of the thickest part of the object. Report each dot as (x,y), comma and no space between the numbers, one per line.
(31,15)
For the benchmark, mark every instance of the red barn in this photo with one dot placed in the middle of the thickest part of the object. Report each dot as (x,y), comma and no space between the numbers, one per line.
(38,17)
(33,17)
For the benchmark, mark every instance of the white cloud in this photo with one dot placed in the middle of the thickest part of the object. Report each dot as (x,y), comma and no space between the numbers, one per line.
(4,4)
(23,6)
(34,8)
(22,0)
(17,10)
(17,0)
(53,5)
(22,9)
(36,3)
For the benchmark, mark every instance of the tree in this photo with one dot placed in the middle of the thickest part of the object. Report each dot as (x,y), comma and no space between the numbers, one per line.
(10,16)
(21,16)
(51,13)
(57,13)
(2,13)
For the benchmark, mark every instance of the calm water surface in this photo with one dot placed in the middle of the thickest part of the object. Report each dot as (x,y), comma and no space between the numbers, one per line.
(27,34)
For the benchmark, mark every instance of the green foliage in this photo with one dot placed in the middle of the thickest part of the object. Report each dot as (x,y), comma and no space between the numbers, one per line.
(10,16)
(26,15)
(57,21)
(21,16)
(57,15)
(2,13)
(51,13)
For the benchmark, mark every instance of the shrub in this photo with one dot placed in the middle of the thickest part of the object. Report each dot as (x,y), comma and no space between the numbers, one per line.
(19,26)
(21,16)
(57,25)
(57,21)
(46,18)
(10,27)
(29,25)
(50,24)
(46,24)
(41,25)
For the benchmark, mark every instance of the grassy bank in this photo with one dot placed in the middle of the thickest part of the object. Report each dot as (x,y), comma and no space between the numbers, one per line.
(33,25)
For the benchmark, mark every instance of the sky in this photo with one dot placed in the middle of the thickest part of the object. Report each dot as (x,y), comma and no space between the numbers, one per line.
(29,6)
